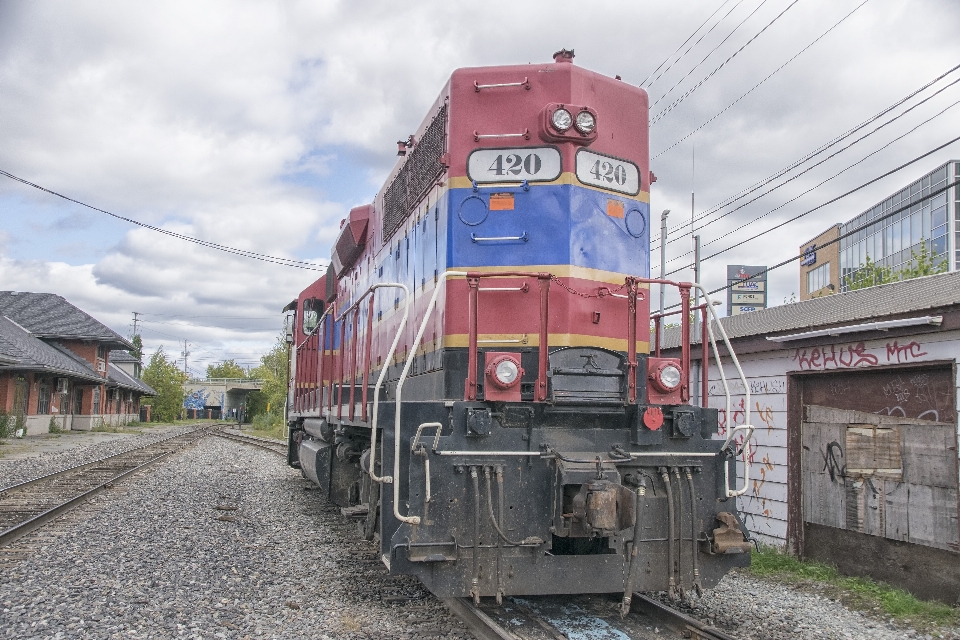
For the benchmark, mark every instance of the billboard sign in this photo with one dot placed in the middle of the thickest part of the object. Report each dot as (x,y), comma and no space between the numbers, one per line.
(809,256)
(746,288)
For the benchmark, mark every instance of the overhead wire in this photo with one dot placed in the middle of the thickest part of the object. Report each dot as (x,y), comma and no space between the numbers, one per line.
(828,202)
(823,245)
(835,175)
(754,87)
(688,40)
(711,52)
(759,185)
(691,90)
(287,262)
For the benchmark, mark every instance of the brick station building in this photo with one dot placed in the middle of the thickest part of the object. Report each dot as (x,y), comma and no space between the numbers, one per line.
(57,368)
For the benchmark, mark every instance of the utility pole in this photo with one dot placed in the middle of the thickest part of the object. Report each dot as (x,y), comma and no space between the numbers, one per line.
(136,320)
(185,354)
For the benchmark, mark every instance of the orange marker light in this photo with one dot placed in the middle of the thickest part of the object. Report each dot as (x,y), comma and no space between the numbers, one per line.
(504,202)
(614,208)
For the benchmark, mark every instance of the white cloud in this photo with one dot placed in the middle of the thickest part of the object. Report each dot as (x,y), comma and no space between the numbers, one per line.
(237,122)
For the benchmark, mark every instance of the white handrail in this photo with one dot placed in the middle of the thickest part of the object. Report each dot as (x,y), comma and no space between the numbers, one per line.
(383,374)
(403,376)
(731,430)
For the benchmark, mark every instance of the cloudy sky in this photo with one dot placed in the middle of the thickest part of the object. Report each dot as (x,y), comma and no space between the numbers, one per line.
(257,125)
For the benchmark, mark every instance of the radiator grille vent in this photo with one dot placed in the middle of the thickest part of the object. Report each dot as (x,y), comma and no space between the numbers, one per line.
(416,176)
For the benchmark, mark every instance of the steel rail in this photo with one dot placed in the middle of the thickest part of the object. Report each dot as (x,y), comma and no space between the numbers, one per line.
(277,446)
(23,528)
(678,624)
(480,624)
(80,467)
(686,625)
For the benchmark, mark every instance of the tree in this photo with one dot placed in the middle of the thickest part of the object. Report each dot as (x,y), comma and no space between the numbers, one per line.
(269,401)
(922,264)
(868,275)
(137,352)
(168,380)
(226,369)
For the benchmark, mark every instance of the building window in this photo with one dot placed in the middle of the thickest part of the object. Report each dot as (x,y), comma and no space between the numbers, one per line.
(818,278)
(96,401)
(43,399)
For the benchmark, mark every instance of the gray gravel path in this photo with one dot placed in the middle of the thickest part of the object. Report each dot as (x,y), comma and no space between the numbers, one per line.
(159,560)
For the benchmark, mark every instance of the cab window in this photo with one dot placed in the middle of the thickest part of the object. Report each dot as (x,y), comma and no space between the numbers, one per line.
(312,308)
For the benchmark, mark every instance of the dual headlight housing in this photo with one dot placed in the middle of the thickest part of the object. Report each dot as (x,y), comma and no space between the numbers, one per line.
(585,122)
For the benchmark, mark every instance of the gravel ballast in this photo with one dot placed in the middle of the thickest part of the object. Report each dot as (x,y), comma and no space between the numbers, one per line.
(159,560)
(28,466)
(225,541)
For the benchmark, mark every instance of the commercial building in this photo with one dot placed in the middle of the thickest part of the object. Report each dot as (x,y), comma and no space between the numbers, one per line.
(925,212)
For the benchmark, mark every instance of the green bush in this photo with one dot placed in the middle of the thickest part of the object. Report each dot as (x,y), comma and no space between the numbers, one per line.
(54,426)
(6,425)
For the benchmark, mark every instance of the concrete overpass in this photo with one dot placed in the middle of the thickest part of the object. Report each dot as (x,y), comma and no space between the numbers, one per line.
(219,395)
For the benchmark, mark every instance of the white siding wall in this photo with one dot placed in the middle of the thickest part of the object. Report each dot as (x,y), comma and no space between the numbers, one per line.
(764,506)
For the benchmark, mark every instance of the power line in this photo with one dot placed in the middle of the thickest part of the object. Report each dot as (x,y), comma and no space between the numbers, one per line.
(828,202)
(690,91)
(697,66)
(717,10)
(745,192)
(837,174)
(287,262)
(751,90)
(826,244)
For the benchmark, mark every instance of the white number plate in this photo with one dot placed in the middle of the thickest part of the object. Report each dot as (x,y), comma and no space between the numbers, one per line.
(533,164)
(607,172)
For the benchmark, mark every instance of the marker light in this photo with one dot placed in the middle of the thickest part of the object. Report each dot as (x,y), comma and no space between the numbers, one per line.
(561,119)
(669,377)
(586,123)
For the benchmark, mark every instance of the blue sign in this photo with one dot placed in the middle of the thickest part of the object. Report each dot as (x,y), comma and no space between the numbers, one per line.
(809,256)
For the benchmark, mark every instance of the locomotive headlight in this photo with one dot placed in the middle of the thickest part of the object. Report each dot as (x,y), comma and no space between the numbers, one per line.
(507,372)
(586,122)
(669,377)
(561,119)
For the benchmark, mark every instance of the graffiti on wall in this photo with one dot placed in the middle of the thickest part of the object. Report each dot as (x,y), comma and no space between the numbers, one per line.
(196,399)
(851,356)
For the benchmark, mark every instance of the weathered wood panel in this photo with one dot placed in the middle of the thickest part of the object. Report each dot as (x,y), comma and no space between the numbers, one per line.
(928,449)
(932,516)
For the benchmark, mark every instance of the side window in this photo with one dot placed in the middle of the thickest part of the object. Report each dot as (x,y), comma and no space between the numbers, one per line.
(312,308)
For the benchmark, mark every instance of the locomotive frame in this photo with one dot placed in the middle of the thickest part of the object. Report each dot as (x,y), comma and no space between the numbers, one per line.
(607,478)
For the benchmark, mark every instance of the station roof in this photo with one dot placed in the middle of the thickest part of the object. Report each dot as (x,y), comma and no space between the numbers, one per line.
(23,351)
(47,315)
(862,305)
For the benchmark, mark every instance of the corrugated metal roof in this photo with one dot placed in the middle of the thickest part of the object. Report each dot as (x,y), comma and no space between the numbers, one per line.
(47,315)
(862,305)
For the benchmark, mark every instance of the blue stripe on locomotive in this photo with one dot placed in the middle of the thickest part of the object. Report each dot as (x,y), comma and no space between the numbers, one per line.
(549,224)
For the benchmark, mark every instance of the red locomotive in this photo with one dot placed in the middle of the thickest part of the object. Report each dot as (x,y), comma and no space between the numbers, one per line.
(485,321)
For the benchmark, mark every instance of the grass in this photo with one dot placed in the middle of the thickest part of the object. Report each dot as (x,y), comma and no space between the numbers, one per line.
(859,593)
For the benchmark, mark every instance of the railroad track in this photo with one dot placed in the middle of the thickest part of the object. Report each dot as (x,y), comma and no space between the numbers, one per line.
(276,446)
(29,505)
(578,616)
